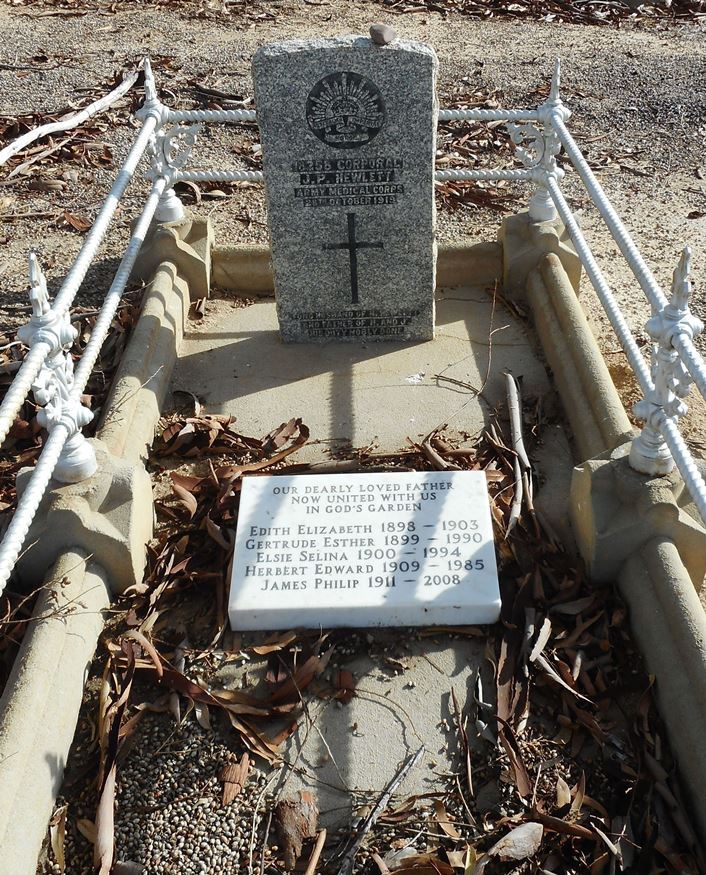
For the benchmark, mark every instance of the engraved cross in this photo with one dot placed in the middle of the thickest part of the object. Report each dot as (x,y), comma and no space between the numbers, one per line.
(352,245)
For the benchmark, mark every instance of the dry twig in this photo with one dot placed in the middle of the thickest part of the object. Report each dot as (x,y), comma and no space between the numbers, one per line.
(356,840)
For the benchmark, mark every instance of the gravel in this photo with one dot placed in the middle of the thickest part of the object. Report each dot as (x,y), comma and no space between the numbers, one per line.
(169,817)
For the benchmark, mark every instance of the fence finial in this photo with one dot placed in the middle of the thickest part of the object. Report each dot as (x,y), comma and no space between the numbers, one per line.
(150,86)
(649,452)
(556,82)
(681,281)
(38,295)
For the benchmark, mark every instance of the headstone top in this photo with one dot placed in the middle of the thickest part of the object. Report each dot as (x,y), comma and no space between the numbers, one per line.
(345,41)
(348,131)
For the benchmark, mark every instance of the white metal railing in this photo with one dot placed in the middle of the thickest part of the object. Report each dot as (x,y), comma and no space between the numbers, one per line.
(48,367)
(539,135)
(169,136)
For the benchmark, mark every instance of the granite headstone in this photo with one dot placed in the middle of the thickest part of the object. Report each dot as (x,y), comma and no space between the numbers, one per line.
(348,132)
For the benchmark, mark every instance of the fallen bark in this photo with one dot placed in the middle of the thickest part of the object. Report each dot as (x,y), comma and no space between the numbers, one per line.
(68,122)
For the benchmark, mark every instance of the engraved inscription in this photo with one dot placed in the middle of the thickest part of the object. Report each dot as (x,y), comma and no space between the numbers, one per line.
(399,548)
(366,200)
(326,165)
(356,323)
(352,245)
(345,110)
(348,182)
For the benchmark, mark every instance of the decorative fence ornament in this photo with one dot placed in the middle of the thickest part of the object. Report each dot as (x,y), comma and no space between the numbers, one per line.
(649,452)
(537,148)
(170,150)
(53,385)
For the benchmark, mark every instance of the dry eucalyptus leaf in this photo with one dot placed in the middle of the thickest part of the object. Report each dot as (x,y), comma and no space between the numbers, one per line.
(202,715)
(57,831)
(87,829)
(444,821)
(520,843)
(79,223)
(563,793)
(46,185)
(457,859)
(542,639)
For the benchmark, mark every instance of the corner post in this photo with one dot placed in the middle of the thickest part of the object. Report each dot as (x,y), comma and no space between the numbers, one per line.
(537,148)
(649,453)
(53,386)
(169,149)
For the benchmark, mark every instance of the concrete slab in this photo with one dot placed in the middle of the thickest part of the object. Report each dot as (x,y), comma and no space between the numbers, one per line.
(358,394)
(347,753)
(378,394)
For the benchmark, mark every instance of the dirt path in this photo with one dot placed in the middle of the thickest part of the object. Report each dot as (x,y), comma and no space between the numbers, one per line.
(639,114)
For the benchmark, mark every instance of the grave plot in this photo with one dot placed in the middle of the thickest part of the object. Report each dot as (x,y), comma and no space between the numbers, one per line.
(352,719)
(419,480)
(392,734)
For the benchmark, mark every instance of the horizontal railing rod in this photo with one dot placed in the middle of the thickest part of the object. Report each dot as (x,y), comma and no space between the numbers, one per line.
(218,176)
(237,116)
(610,305)
(685,463)
(619,232)
(34,360)
(222,116)
(463,175)
(30,500)
(488,115)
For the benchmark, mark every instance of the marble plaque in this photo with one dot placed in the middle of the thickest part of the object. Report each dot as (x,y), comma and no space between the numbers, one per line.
(325,550)
(348,131)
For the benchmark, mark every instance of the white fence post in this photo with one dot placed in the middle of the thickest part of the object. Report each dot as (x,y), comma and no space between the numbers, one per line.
(537,149)
(53,384)
(649,452)
(169,149)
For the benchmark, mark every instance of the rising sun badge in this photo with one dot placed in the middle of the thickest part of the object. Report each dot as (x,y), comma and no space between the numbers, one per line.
(345,110)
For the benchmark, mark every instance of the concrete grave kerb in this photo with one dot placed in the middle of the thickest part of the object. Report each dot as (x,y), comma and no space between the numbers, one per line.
(110,516)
